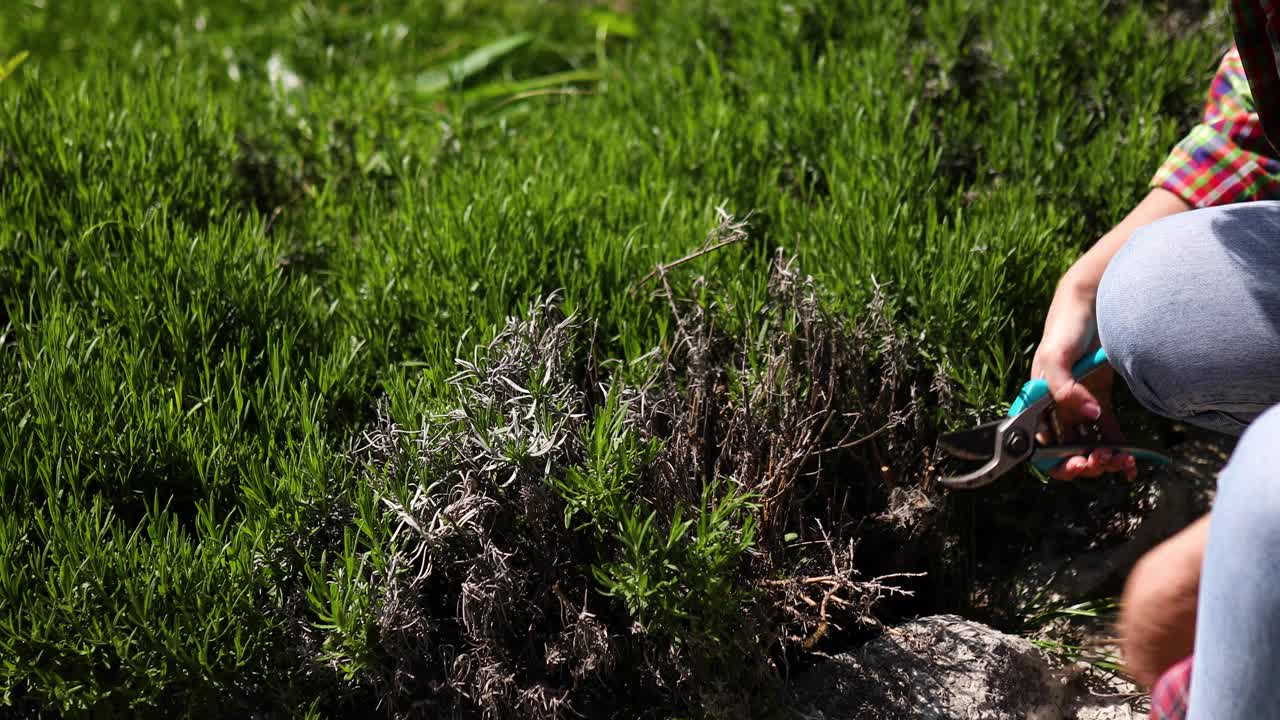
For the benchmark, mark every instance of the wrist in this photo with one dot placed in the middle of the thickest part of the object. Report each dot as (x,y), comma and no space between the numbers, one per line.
(1079,285)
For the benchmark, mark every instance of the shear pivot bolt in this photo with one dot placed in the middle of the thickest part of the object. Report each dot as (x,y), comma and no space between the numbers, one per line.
(1017,443)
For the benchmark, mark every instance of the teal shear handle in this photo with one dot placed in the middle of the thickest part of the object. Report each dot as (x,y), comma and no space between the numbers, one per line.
(1033,391)
(1036,391)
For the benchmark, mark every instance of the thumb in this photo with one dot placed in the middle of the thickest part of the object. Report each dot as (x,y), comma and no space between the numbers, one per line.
(1076,403)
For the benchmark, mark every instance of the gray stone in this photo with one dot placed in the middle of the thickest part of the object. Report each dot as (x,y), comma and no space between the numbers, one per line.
(947,668)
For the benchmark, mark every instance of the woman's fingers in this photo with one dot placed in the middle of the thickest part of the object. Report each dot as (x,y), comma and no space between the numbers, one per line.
(1103,461)
(1075,401)
(1070,468)
(1097,463)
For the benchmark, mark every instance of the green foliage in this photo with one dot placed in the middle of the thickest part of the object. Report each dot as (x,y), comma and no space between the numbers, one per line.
(226,228)
(1101,613)
(598,494)
(678,580)
(341,598)
(74,576)
(682,581)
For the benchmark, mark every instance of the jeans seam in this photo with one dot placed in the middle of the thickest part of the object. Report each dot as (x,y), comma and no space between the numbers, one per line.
(1202,404)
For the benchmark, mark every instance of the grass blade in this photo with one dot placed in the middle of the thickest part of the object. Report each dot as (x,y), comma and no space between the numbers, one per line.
(613,23)
(12,64)
(441,78)
(499,89)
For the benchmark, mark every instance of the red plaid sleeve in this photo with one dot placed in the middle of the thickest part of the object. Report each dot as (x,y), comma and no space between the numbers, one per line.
(1226,158)
(1169,696)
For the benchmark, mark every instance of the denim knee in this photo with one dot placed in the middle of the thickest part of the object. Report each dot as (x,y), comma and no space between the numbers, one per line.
(1131,313)
(1157,306)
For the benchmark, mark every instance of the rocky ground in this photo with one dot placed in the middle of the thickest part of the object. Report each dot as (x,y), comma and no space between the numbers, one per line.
(944,667)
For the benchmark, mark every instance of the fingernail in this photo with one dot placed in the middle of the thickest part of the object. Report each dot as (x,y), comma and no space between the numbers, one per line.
(1091,410)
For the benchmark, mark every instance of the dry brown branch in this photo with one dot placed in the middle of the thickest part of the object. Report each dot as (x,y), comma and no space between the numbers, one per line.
(726,232)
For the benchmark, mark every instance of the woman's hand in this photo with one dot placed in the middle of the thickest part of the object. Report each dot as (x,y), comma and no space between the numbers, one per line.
(1070,331)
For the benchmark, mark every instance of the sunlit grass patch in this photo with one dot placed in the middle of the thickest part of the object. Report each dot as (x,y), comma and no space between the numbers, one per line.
(236,236)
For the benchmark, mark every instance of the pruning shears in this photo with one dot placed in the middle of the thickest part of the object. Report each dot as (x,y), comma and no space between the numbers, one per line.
(1002,445)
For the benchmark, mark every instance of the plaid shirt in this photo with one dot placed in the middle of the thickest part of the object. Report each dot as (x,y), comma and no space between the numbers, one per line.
(1169,696)
(1226,158)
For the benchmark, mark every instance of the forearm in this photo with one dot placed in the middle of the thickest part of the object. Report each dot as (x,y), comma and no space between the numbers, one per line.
(1086,273)
(1158,610)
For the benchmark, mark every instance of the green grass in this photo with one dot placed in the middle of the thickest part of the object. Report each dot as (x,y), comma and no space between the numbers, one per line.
(227,229)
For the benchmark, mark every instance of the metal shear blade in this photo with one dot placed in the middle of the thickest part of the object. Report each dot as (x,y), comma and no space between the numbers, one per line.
(973,444)
(1002,444)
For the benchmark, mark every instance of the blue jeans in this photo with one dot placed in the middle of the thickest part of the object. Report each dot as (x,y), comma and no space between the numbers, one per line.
(1189,312)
